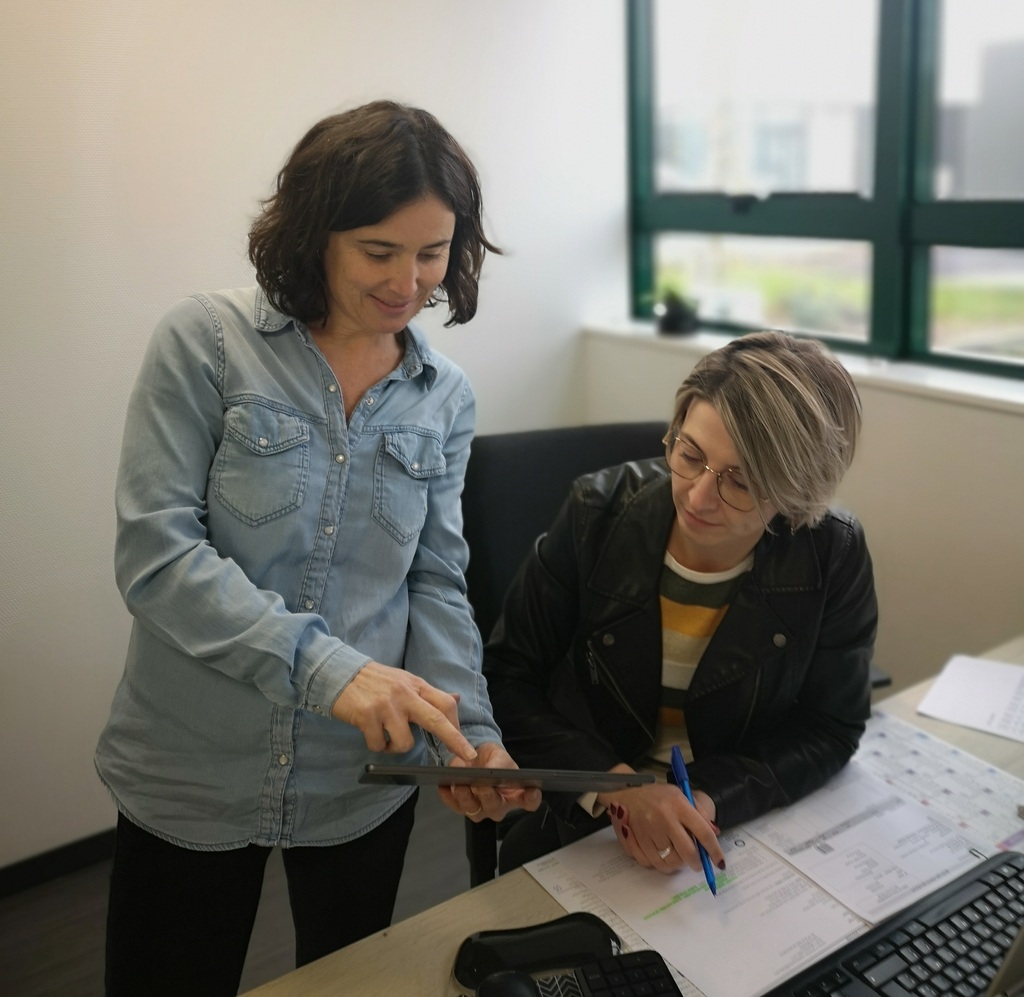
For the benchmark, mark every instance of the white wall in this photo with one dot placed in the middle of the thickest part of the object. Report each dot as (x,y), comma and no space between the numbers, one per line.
(137,139)
(937,481)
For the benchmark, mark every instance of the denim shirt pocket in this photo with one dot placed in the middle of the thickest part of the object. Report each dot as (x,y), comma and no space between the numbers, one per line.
(262,466)
(406,461)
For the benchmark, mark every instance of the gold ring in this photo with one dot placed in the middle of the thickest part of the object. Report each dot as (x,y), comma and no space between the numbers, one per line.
(475,812)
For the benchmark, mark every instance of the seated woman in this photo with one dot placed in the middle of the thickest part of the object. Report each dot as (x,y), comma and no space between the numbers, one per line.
(711,600)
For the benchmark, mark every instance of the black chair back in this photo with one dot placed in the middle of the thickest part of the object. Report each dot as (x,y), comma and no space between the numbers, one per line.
(515,484)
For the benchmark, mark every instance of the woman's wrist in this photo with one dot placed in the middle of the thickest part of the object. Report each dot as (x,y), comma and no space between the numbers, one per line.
(603,799)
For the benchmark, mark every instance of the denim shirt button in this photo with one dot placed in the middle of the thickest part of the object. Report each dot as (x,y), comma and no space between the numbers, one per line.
(282,760)
(340,458)
(329,531)
(608,640)
(415,465)
(316,709)
(779,640)
(370,400)
(309,604)
(263,441)
(332,388)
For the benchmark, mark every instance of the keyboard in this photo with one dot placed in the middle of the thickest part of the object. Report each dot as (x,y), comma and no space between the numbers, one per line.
(948,944)
(629,974)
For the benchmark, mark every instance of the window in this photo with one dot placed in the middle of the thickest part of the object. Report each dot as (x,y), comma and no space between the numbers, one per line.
(852,171)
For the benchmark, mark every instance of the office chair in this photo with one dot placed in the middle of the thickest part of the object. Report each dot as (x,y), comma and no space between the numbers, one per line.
(515,484)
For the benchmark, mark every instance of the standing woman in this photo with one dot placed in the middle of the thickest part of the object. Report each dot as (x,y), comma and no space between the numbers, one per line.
(289,545)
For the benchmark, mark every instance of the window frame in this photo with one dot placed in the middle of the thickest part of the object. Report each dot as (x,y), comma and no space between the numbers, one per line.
(901,222)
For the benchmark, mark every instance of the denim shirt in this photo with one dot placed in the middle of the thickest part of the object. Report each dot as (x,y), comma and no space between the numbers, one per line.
(267,549)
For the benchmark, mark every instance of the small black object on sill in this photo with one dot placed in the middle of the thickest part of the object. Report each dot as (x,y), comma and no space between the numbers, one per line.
(675,314)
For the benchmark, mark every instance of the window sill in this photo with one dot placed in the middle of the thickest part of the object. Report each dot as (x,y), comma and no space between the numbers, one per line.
(978,390)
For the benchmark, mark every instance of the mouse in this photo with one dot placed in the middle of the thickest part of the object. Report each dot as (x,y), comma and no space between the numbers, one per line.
(508,983)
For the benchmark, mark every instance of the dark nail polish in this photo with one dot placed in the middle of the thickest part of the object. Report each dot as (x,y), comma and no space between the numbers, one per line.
(721,865)
(625,832)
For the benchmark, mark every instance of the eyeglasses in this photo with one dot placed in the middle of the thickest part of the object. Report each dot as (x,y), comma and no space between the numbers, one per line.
(688,462)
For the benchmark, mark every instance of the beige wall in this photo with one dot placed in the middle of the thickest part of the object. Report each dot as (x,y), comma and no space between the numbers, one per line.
(938,483)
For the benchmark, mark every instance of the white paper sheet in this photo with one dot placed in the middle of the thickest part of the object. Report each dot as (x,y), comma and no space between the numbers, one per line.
(978,693)
(775,917)
(977,797)
(869,846)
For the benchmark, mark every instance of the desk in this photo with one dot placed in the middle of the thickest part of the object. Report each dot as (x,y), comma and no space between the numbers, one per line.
(415,956)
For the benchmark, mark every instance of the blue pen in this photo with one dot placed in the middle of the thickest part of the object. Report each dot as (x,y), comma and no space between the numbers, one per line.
(683,781)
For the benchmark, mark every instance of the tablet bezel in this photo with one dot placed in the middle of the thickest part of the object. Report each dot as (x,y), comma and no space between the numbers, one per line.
(558,780)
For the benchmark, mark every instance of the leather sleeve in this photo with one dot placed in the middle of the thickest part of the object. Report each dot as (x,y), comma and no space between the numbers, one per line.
(791,749)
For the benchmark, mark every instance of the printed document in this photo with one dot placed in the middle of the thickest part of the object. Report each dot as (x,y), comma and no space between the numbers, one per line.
(868,845)
(784,920)
(975,795)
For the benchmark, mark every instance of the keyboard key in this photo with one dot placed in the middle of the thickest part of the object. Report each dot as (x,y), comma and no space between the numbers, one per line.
(954,974)
(885,970)
(893,989)
(631,974)
(859,963)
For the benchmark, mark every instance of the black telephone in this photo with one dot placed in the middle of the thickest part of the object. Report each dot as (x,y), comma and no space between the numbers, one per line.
(561,944)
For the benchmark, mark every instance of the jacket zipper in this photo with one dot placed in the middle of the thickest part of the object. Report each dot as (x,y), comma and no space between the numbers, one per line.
(753,705)
(594,664)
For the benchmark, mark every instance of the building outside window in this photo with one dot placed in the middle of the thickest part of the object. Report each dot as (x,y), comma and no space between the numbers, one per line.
(851,170)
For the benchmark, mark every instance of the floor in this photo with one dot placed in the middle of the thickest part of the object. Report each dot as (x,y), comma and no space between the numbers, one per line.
(51,937)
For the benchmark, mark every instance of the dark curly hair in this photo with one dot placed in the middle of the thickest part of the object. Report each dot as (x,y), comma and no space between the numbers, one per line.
(354,169)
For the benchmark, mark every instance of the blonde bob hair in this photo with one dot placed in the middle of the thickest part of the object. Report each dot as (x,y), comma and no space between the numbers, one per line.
(792,412)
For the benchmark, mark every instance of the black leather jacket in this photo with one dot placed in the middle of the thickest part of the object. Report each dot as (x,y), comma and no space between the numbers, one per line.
(781,695)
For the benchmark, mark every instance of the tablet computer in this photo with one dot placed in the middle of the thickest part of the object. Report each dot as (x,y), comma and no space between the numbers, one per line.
(561,780)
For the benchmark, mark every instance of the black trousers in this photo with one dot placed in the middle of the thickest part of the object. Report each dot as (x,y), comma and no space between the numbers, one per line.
(179,920)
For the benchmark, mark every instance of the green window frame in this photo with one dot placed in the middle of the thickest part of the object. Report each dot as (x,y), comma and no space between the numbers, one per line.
(901,221)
